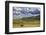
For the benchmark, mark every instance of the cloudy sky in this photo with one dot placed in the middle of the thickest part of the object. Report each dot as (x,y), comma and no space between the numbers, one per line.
(20,12)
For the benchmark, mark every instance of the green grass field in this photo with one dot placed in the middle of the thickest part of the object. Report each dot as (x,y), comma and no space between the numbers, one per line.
(26,22)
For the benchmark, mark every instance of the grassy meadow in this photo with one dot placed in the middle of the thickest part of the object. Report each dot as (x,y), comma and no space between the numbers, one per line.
(27,22)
